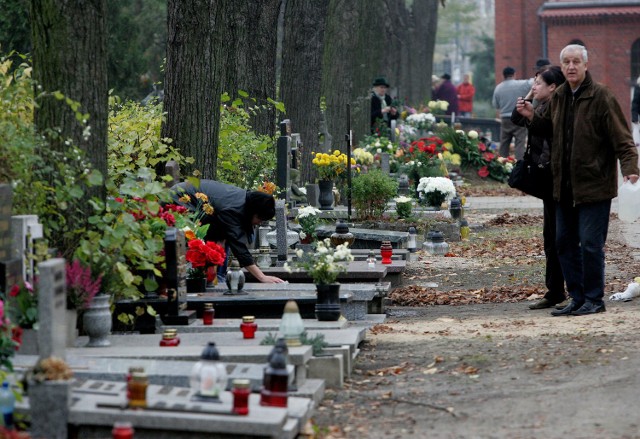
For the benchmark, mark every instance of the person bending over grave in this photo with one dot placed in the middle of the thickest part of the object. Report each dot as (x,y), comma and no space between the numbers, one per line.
(235,213)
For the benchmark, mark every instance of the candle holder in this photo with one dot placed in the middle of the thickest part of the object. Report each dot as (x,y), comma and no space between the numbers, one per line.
(170,338)
(412,242)
(208,314)
(248,327)
(208,375)
(386,251)
(275,380)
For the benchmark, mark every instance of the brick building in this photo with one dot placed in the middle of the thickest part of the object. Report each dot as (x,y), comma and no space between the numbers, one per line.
(526,30)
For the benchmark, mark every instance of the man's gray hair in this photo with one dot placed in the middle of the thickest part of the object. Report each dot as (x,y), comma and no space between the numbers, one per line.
(574,47)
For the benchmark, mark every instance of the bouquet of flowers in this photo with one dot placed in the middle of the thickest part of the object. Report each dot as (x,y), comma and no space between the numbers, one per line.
(202,255)
(81,286)
(10,337)
(330,166)
(438,106)
(435,190)
(421,121)
(363,157)
(308,219)
(24,301)
(326,263)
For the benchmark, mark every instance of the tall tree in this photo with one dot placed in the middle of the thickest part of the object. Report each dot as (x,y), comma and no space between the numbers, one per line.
(193,80)
(69,56)
(394,38)
(304,24)
(250,41)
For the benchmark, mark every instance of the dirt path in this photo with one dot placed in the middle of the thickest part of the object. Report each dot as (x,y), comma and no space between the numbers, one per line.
(494,370)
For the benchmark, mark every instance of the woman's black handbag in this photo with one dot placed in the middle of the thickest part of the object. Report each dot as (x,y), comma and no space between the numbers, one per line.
(531,178)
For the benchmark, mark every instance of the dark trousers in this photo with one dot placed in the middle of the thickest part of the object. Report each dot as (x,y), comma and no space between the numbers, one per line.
(581,232)
(553,279)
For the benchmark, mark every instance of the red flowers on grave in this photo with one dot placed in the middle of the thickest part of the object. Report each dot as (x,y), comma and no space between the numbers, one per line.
(202,256)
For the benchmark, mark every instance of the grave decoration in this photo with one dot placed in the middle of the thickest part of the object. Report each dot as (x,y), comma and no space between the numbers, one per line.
(235,279)
(208,376)
(434,191)
(275,380)
(324,267)
(308,217)
(291,325)
(435,244)
(329,168)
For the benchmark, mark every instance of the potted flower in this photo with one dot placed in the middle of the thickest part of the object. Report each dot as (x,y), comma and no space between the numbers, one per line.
(323,268)
(308,218)
(328,168)
(404,206)
(49,391)
(436,190)
(23,311)
(203,257)
(82,287)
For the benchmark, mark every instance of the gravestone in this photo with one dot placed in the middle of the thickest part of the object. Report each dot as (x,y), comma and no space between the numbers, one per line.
(172,169)
(283,157)
(281,233)
(384,163)
(52,306)
(313,192)
(25,229)
(10,265)
(175,250)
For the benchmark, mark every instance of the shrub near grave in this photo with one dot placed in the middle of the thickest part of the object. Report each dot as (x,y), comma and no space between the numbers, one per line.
(371,192)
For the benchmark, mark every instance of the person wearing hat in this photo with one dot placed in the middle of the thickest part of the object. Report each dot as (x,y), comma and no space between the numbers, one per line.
(447,92)
(504,100)
(381,108)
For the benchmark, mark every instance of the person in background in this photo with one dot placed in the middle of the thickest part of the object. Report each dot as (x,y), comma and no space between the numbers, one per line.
(381,108)
(541,63)
(504,101)
(635,112)
(446,91)
(466,91)
(545,84)
(235,213)
(590,134)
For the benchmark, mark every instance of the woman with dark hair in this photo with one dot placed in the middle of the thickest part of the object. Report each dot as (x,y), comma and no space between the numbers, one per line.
(545,83)
(236,212)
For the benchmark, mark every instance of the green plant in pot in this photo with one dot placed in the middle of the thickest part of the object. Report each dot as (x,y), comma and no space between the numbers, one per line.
(371,192)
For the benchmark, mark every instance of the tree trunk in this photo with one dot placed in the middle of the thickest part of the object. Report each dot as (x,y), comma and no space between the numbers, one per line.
(369,38)
(69,55)
(193,81)
(304,23)
(250,40)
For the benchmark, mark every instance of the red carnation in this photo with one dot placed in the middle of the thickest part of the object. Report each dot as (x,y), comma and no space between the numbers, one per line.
(483,172)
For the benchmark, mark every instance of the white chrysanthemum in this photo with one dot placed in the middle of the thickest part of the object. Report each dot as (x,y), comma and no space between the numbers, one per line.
(306,211)
(473,134)
(440,184)
(403,199)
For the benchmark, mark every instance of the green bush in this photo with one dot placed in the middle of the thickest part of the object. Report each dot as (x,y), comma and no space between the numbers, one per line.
(245,159)
(371,192)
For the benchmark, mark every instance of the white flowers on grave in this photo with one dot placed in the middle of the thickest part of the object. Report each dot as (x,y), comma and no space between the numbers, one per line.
(472,134)
(327,262)
(363,157)
(438,105)
(404,206)
(436,190)
(308,219)
(421,121)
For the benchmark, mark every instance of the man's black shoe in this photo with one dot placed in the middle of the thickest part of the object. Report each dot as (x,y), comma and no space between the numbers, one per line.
(589,308)
(567,310)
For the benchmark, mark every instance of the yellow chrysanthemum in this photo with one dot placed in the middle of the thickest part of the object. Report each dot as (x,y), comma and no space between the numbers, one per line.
(448,146)
(456,159)
(185,199)
(207,208)
(202,197)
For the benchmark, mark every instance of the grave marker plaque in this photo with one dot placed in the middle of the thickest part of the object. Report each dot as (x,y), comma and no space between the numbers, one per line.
(281,233)
(52,305)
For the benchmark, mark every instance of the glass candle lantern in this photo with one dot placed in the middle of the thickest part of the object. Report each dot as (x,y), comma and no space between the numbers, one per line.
(170,338)
(208,375)
(371,260)
(241,389)
(122,430)
(342,235)
(248,327)
(137,390)
(455,208)
(412,241)
(437,246)
(464,229)
(386,251)
(275,380)
(208,314)
(291,325)
(235,278)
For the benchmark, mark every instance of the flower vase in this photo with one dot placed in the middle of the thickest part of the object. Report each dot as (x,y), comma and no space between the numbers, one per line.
(325,197)
(328,302)
(212,274)
(96,321)
(196,285)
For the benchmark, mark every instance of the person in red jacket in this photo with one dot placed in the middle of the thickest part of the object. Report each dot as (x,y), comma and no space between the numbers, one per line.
(466,91)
